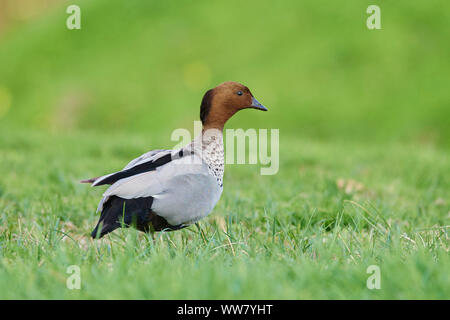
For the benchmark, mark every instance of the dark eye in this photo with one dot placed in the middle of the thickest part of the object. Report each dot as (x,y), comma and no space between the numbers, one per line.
(239,93)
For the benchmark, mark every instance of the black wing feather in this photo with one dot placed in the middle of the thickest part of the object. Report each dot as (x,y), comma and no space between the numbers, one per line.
(118,212)
(140,168)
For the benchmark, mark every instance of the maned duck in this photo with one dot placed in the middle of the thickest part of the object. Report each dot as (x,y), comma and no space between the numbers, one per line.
(171,189)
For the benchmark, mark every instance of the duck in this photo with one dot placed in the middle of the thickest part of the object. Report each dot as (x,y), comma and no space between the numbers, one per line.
(168,190)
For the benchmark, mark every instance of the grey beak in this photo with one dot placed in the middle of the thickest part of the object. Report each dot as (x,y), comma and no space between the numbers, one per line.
(257,105)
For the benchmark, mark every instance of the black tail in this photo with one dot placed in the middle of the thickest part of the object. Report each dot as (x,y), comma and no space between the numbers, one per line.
(118,212)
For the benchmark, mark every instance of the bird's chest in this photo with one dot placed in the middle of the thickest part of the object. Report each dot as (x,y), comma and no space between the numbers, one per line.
(213,156)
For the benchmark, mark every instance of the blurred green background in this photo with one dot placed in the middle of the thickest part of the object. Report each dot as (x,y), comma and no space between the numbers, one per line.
(143,66)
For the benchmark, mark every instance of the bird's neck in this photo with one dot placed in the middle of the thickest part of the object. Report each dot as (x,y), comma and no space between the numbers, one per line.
(214,125)
(212,138)
(217,117)
(209,139)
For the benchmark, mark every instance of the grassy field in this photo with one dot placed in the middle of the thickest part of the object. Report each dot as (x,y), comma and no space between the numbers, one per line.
(310,231)
(364,173)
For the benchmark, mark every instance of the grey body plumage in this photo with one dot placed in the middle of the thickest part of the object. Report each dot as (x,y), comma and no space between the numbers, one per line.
(182,190)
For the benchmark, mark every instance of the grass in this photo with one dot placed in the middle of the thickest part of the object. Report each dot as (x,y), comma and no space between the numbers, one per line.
(364,148)
(310,231)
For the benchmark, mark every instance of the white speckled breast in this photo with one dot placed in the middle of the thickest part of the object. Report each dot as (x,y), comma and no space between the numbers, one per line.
(209,147)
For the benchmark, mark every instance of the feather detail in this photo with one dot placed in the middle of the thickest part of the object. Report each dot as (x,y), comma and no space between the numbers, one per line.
(91,180)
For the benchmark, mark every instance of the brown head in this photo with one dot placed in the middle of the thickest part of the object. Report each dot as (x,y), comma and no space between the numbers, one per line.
(222,102)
